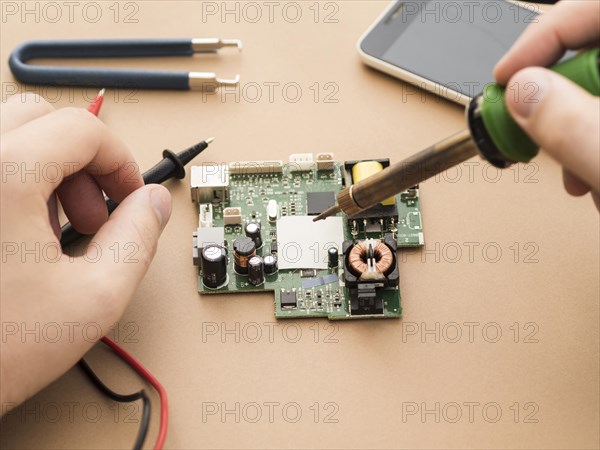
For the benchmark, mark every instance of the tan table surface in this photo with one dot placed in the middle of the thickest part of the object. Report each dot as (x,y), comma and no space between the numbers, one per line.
(442,377)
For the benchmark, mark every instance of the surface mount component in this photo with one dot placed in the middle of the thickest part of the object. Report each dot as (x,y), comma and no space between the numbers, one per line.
(289,299)
(316,202)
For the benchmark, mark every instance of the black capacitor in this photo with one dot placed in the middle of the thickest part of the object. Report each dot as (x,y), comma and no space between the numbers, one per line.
(256,271)
(252,230)
(333,257)
(214,266)
(244,248)
(270,264)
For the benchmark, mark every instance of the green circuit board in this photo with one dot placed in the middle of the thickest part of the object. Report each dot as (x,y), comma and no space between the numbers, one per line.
(317,292)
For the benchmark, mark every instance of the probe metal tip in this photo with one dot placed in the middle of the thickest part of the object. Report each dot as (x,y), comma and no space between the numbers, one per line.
(209,82)
(205,45)
(232,43)
(327,213)
(101,93)
(209,140)
(233,82)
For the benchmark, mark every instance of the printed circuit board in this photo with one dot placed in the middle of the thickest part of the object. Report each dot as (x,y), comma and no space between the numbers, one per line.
(256,233)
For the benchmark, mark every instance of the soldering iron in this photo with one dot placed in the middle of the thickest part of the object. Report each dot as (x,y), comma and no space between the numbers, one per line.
(491,133)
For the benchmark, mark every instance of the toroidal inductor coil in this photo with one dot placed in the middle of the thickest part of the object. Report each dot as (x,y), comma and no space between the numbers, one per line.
(357,259)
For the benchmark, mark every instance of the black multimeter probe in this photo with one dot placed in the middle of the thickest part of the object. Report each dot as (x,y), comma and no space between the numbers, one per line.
(172,166)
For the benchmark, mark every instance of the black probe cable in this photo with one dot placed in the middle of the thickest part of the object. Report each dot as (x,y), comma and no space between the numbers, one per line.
(129,398)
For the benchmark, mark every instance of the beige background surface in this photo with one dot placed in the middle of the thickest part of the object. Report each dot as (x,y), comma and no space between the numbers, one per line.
(543,379)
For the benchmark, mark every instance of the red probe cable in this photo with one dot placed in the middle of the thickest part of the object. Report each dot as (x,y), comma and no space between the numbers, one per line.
(96,104)
(94,108)
(164,404)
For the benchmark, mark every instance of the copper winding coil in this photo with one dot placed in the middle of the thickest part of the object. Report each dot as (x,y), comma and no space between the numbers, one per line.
(242,260)
(359,254)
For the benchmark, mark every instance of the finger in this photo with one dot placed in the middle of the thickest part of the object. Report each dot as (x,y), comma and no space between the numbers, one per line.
(64,142)
(574,185)
(53,215)
(22,108)
(569,25)
(561,118)
(124,246)
(83,202)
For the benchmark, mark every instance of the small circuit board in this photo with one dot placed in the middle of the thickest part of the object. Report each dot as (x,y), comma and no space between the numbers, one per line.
(256,233)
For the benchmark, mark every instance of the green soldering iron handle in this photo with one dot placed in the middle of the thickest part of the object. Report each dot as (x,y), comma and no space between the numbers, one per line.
(500,140)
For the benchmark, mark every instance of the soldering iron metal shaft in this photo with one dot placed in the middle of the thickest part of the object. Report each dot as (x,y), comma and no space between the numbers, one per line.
(404,175)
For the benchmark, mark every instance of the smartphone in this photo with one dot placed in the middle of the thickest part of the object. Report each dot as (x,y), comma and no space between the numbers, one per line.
(446,47)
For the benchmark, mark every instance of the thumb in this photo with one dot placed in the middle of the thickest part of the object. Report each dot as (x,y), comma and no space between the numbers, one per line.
(123,248)
(561,117)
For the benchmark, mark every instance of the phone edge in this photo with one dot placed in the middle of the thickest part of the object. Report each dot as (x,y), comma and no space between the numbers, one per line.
(404,75)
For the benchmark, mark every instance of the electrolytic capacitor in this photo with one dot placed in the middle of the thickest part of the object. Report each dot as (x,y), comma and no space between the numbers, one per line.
(333,257)
(214,266)
(256,271)
(244,248)
(270,264)
(252,230)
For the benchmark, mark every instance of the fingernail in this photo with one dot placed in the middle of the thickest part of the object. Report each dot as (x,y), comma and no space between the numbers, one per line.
(527,90)
(161,202)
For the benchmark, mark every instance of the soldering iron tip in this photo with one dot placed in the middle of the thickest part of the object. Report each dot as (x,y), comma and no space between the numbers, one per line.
(209,140)
(327,213)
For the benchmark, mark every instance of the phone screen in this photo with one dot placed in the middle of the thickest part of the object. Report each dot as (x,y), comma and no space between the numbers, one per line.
(455,44)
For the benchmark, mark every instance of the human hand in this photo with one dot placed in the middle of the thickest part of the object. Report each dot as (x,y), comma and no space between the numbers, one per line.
(562,118)
(55,306)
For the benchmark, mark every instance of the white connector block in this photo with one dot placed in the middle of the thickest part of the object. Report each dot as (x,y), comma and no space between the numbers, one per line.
(301,162)
(205,219)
